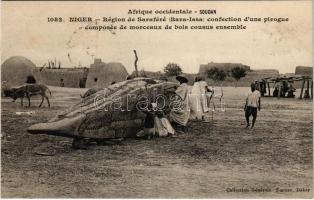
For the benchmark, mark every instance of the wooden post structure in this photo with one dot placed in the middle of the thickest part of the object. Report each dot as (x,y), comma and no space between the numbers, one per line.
(303,83)
(312,89)
(308,88)
(135,63)
(268,88)
(279,90)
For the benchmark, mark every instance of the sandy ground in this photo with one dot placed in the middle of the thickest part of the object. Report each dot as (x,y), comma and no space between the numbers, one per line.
(211,160)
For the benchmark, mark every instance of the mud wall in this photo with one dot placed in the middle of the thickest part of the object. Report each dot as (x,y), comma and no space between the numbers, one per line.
(71,77)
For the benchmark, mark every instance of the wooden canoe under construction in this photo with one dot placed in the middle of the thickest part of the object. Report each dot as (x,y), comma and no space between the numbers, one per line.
(110,113)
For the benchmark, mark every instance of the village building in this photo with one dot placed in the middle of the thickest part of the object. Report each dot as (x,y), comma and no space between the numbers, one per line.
(15,70)
(103,74)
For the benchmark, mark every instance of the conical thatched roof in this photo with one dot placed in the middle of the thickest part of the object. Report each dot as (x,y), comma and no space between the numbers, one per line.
(14,70)
(105,74)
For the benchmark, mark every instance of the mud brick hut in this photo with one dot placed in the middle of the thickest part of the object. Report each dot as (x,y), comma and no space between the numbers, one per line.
(103,74)
(302,71)
(14,70)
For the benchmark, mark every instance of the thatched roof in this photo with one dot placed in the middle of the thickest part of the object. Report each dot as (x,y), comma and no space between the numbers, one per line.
(15,70)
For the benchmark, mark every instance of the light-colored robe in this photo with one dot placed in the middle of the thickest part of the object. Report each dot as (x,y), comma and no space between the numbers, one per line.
(163,127)
(198,100)
(203,86)
(181,114)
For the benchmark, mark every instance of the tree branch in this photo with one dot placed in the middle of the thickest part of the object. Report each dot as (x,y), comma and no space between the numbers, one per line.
(135,63)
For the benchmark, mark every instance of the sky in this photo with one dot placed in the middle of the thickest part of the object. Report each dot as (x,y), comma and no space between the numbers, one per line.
(26,32)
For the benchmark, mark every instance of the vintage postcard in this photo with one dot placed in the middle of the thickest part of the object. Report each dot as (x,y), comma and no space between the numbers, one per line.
(156,99)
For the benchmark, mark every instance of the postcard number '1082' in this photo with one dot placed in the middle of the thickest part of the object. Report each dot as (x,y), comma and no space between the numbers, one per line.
(55,19)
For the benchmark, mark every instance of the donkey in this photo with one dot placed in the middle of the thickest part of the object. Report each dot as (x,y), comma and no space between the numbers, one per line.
(29,90)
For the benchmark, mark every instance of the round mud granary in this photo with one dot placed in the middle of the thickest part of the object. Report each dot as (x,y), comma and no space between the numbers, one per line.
(16,69)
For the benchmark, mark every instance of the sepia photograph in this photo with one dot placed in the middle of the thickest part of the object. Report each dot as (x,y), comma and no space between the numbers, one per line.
(157,99)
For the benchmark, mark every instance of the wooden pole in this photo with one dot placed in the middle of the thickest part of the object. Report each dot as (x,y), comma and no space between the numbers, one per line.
(303,83)
(135,63)
(279,90)
(308,88)
(268,88)
(312,89)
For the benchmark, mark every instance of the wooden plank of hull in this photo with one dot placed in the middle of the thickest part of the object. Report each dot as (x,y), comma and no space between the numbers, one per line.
(116,129)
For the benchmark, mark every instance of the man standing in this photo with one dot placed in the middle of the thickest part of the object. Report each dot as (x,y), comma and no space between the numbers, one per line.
(253,102)
(198,99)
(180,115)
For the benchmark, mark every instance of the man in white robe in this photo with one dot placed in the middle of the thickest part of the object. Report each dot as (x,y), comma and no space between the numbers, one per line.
(198,99)
(180,114)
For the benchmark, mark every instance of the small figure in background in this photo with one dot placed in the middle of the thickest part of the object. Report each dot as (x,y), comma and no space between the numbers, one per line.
(291,91)
(276,89)
(306,94)
(30,79)
(61,82)
(263,87)
(284,88)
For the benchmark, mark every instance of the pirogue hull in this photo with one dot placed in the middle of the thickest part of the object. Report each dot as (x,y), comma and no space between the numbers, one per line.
(111,113)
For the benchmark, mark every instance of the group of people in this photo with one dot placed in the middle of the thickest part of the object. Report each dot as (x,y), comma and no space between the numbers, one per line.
(284,89)
(193,103)
(196,101)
